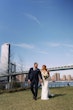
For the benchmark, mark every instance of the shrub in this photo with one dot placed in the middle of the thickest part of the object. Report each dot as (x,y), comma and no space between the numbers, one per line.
(15,84)
(2,86)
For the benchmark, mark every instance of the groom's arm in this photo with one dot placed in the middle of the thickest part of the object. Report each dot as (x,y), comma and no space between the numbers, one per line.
(40,74)
(29,74)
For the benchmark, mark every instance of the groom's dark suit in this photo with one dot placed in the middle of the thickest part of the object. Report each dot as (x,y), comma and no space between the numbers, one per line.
(33,76)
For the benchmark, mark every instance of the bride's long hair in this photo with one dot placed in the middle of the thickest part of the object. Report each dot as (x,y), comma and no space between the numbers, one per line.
(44,67)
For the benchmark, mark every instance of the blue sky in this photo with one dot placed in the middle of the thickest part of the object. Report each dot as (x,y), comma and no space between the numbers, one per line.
(38,30)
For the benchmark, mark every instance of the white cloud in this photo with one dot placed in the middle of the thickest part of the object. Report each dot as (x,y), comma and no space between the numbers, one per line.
(42,52)
(68,45)
(24,45)
(29,46)
(32,17)
(57,44)
(53,44)
(68,54)
(71,50)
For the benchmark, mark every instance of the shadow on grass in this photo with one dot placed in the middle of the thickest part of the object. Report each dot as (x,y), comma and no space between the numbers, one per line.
(54,96)
(57,95)
(13,90)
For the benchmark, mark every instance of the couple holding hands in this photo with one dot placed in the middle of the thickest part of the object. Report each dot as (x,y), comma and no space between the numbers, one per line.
(35,76)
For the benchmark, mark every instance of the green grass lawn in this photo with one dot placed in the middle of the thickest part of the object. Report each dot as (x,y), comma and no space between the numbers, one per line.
(23,100)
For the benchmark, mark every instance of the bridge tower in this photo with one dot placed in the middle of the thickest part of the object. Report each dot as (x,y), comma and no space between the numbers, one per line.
(5,57)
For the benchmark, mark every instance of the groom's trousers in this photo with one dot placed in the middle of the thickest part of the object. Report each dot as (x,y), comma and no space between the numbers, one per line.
(34,88)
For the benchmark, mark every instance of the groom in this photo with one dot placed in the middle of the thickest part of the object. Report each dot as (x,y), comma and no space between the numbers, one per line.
(33,79)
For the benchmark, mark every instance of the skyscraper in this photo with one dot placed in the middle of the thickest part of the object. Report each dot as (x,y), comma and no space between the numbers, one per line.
(56,77)
(69,77)
(5,56)
(64,78)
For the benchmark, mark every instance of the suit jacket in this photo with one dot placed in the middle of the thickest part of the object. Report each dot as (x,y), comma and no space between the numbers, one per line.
(34,75)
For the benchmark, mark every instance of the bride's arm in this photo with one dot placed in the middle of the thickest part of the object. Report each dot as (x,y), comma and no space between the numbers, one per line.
(48,72)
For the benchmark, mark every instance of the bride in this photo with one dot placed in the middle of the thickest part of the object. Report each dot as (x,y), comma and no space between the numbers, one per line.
(45,85)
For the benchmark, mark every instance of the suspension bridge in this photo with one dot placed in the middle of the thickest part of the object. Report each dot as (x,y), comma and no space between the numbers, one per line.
(61,68)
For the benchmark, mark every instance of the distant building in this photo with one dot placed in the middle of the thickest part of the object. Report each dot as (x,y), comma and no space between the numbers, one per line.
(68,77)
(64,78)
(55,77)
(72,78)
(58,76)
(21,78)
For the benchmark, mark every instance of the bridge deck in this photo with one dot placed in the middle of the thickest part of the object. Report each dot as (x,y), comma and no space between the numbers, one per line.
(50,69)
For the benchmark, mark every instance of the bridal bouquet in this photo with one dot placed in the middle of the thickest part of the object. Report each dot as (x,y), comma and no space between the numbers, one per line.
(46,75)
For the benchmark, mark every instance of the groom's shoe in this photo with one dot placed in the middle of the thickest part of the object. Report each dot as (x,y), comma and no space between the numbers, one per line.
(35,98)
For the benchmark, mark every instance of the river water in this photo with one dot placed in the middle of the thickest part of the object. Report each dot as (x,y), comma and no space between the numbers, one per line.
(60,83)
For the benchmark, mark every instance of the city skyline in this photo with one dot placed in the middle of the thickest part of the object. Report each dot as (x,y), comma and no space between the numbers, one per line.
(39,31)
(57,77)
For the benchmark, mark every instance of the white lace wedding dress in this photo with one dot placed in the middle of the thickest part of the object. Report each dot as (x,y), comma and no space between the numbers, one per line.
(45,88)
